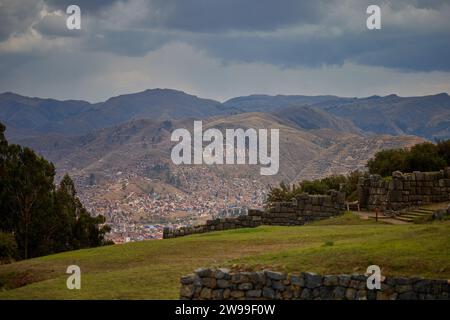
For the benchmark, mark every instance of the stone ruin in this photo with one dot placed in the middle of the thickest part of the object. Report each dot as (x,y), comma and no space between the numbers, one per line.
(404,190)
(303,209)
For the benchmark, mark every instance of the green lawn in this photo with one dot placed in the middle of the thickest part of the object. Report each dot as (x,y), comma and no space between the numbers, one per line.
(151,269)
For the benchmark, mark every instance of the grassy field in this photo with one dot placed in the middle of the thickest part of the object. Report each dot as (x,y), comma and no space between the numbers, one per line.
(152,269)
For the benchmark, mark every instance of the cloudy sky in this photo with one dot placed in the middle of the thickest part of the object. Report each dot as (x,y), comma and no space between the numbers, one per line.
(224,48)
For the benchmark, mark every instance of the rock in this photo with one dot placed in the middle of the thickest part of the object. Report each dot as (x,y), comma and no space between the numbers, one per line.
(203,272)
(312,280)
(275,275)
(371,295)
(187,291)
(245,286)
(268,293)
(206,293)
(278,285)
(325,293)
(350,294)
(344,280)
(222,283)
(209,282)
(382,295)
(240,277)
(359,277)
(197,281)
(403,288)
(217,294)
(258,278)
(330,281)
(306,294)
(316,293)
(361,295)
(226,293)
(402,281)
(354,284)
(297,280)
(338,293)
(253,294)
(189,279)
(221,273)
(408,296)
(237,294)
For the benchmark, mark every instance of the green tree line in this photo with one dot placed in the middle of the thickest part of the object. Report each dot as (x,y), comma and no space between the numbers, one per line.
(36,216)
(425,156)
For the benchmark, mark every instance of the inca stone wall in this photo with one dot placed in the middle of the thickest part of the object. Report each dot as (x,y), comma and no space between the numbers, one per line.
(253,219)
(221,284)
(404,190)
(303,209)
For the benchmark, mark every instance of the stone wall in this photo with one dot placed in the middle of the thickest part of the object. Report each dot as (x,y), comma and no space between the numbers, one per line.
(221,284)
(253,219)
(303,209)
(404,190)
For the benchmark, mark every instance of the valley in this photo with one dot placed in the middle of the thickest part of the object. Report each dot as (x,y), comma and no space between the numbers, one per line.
(120,158)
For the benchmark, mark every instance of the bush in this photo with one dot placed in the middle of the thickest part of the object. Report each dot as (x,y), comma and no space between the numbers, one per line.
(421,157)
(8,247)
(346,183)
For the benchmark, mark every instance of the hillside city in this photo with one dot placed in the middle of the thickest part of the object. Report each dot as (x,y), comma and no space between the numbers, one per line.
(142,215)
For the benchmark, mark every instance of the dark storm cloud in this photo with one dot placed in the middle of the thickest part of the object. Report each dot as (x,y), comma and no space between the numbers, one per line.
(217,15)
(16,16)
(421,52)
(286,34)
(90,6)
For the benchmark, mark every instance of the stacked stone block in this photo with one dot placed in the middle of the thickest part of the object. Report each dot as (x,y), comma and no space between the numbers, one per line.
(301,210)
(221,284)
(245,221)
(305,208)
(404,190)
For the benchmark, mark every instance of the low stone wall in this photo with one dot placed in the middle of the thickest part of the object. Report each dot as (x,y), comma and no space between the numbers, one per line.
(404,190)
(253,219)
(221,284)
(301,210)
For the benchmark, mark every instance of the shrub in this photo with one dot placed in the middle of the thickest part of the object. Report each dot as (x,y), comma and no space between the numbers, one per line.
(421,157)
(8,247)
(346,183)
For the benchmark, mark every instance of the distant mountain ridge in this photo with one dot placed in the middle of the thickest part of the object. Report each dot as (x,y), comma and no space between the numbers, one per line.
(35,116)
(427,116)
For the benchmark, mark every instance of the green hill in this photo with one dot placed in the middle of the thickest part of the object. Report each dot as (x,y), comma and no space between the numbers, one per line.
(152,269)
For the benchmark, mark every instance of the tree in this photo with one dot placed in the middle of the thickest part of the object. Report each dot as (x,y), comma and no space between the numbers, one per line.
(444,150)
(42,218)
(424,157)
(387,161)
(28,185)
(421,157)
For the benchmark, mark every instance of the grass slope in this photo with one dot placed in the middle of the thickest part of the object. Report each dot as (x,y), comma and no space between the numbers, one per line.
(152,269)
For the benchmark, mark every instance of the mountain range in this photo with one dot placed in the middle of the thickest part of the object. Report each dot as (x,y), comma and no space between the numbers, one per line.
(427,116)
(118,151)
